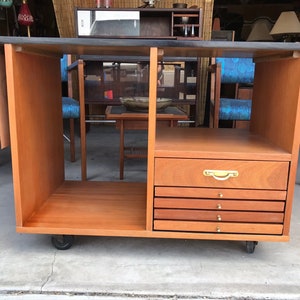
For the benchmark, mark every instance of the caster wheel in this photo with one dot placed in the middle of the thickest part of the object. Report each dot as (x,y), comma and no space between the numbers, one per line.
(62,242)
(250,246)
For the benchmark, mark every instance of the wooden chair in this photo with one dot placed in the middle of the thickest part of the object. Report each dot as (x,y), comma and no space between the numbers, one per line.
(235,71)
(70,107)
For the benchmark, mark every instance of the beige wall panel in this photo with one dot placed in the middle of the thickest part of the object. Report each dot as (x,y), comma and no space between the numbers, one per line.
(4,126)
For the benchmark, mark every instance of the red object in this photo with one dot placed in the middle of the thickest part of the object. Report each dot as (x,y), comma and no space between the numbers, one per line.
(24,17)
(107,3)
(108,94)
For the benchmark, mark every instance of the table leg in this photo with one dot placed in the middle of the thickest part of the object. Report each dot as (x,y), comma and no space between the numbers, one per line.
(82,120)
(122,149)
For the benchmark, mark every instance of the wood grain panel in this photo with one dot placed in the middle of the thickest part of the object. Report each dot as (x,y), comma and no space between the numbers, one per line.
(35,113)
(93,205)
(193,226)
(275,101)
(224,216)
(251,174)
(221,205)
(187,192)
(216,143)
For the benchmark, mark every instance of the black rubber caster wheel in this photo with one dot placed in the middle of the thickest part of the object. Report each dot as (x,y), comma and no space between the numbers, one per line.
(62,242)
(250,246)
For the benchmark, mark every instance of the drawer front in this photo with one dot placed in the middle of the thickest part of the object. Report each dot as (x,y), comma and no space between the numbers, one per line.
(218,227)
(186,192)
(219,216)
(220,205)
(213,173)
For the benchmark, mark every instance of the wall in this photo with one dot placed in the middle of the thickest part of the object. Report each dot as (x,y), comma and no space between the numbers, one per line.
(4,126)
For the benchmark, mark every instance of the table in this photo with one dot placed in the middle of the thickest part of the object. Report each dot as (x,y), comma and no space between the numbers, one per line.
(126,119)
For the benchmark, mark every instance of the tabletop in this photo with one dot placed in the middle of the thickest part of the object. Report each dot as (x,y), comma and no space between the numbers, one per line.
(140,47)
(121,113)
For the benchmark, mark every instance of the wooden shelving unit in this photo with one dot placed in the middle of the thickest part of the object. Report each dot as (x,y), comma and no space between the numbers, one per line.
(187,23)
(252,201)
(156,23)
(180,188)
(92,207)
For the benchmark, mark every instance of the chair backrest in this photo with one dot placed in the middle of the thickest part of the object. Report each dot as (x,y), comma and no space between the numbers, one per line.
(236,70)
(64,68)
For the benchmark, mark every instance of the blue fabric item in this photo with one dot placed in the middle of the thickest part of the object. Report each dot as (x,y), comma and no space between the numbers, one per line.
(70,108)
(235,109)
(64,68)
(236,70)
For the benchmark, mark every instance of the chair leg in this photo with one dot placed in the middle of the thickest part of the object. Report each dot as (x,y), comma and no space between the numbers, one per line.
(72,140)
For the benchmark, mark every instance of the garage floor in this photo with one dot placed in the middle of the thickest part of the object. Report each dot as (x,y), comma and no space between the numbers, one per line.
(137,268)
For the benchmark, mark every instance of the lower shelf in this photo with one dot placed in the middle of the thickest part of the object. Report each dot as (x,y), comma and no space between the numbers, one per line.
(90,207)
(111,209)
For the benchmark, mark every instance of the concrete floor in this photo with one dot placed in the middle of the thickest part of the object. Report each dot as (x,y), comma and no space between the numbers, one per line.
(113,268)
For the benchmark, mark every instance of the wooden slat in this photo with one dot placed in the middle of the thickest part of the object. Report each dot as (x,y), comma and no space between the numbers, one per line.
(188,192)
(214,215)
(151,134)
(222,205)
(192,226)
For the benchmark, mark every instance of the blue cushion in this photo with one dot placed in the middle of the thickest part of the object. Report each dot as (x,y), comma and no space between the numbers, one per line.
(64,68)
(235,109)
(236,70)
(70,108)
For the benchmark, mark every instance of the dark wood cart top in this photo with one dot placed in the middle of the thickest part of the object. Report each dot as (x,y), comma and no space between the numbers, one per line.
(140,47)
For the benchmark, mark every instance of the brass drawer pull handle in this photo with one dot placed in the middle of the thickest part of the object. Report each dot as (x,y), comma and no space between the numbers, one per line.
(221,174)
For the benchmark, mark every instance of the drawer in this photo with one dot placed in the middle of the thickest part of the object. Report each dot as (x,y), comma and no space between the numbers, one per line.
(244,174)
(219,216)
(218,227)
(187,192)
(220,205)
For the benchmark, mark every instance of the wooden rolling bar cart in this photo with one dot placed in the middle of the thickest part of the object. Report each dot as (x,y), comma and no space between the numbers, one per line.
(220,184)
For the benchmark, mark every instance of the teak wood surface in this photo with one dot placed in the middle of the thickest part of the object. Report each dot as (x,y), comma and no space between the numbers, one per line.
(46,203)
(219,204)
